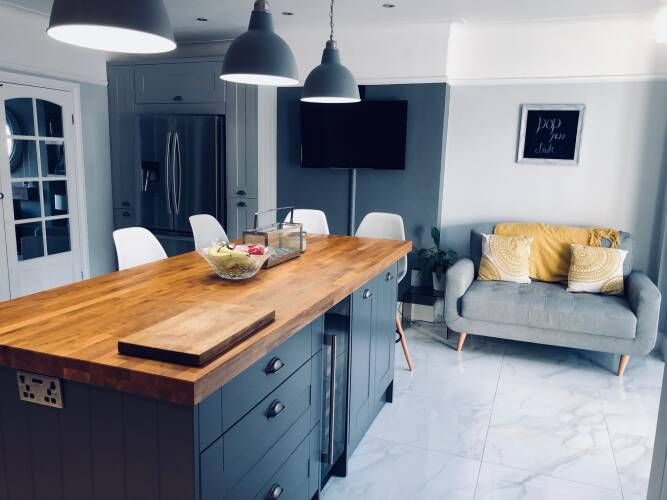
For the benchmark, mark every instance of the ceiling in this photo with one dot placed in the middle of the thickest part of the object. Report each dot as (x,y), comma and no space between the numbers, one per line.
(227,18)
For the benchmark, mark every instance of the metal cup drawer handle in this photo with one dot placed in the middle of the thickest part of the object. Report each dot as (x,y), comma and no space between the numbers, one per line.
(367,294)
(275,492)
(276,409)
(275,365)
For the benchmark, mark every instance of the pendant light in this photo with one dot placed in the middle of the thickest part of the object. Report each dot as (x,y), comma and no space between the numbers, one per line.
(259,56)
(331,82)
(130,26)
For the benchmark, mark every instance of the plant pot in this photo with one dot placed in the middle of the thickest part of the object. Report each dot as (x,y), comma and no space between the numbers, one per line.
(438,284)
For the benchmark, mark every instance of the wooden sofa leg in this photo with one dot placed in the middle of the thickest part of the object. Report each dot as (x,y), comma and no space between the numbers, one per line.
(462,339)
(622,364)
(404,343)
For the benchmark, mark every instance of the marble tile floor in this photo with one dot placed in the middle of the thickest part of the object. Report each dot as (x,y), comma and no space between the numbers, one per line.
(508,420)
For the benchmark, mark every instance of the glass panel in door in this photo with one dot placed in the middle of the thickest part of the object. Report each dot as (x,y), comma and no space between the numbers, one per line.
(33,163)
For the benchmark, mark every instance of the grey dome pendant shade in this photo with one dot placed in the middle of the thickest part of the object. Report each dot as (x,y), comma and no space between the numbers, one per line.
(259,56)
(331,82)
(129,26)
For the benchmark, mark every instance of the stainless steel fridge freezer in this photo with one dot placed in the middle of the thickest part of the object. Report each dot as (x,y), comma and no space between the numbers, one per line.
(181,160)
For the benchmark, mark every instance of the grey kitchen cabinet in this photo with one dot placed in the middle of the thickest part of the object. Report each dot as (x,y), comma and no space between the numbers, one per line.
(240,215)
(241,111)
(251,152)
(361,362)
(122,138)
(372,333)
(384,333)
(124,217)
(179,82)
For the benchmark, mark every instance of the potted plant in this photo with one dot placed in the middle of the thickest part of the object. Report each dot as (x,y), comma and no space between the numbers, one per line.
(436,260)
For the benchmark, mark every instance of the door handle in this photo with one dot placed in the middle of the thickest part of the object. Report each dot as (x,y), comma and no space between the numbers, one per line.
(2,196)
(174,143)
(178,98)
(241,193)
(167,158)
(177,161)
(275,365)
(126,214)
(275,409)
(331,340)
(125,204)
(275,492)
(389,277)
(367,294)
(241,204)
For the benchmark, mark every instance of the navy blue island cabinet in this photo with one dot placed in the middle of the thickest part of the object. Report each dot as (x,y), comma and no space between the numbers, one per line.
(259,436)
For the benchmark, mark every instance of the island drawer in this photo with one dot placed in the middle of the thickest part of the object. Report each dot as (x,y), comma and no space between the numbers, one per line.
(226,406)
(247,389)
(254,480)
(291,480)
(254,435)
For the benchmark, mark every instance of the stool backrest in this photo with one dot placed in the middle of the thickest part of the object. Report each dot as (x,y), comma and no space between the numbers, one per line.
(314,221)
(136,246)
(207,231)
(388,227)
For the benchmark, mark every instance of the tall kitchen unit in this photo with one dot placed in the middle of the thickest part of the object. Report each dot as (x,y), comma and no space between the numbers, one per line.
(185,142)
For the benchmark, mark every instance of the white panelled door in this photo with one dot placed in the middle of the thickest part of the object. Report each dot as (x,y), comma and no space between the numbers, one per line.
(38,172)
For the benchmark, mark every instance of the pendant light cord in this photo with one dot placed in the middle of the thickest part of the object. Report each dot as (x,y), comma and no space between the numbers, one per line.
(331,20)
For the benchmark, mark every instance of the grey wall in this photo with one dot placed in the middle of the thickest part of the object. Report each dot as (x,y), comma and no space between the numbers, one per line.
(97,174)
(616,184)
(412,193)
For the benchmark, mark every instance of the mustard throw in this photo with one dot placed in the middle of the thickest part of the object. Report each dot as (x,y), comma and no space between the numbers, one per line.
(550,252)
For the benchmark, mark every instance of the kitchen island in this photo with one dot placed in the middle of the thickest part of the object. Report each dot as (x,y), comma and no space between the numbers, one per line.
(246,425)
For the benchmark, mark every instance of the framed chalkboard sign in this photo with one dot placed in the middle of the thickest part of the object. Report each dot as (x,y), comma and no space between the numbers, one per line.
(550,133)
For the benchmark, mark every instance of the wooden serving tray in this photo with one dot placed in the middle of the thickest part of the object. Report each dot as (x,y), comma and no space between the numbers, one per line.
(198,335)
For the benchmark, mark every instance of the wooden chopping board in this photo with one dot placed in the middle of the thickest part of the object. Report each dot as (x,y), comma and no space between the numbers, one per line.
(198,335)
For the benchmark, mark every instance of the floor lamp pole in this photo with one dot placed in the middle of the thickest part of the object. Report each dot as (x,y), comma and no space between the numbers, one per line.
(353,199)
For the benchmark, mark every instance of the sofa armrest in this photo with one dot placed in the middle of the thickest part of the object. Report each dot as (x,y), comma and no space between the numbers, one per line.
(458,279)
(644,298)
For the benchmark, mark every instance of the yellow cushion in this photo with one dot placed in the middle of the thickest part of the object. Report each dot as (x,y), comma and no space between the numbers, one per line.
(596,270)
(550,254)
(505,258)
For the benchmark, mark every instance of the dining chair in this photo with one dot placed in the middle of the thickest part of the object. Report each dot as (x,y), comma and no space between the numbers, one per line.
(136,246)
(207,231)
(390,227)
(313,221)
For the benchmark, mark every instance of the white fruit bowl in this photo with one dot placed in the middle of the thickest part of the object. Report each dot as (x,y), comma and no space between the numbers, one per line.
(231,265)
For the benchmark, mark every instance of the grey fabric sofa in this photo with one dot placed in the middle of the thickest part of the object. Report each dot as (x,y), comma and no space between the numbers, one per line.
(548,314)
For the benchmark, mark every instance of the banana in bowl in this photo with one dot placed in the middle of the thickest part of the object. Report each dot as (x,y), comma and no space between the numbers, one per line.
(235,262)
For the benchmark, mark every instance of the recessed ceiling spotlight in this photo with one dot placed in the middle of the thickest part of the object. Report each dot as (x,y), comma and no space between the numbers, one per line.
(287,13)
(389,5)
(202,19)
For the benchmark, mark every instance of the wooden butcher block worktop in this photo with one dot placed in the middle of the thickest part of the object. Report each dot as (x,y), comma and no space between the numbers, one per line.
(72,332)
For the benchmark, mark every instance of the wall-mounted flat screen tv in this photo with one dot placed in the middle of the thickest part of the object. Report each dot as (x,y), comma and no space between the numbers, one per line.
(368,134)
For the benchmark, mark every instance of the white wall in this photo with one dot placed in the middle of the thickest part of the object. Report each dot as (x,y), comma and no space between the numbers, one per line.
(588,48)
(378,53)
(616,184)
(26,48)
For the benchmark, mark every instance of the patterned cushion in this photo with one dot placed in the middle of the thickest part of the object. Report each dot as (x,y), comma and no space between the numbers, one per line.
(505,258)
(596,270)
